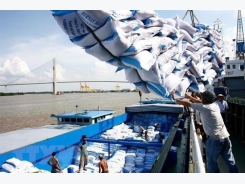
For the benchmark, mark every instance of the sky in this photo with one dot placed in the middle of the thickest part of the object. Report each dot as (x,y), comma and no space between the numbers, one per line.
(30,38)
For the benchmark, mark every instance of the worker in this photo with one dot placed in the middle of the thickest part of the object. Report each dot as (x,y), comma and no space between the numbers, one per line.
(223,105)
(103,166)
(218,141)
(54,163)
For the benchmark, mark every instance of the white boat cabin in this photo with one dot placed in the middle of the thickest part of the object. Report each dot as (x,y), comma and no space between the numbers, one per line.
(83,117)
(235,68)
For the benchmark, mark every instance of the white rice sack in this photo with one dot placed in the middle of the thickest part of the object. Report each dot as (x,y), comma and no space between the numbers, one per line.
(149,76)
(156,68)
(117,44)
(146,33)
(213,31)
(203,42)
(219,59)
(187,27)
(199,43)
(183,62)
(133,77)
(194,70)
(209,76)
(200,67)
(102,33)
(154,22)
(207,65)
(187,36)
(33,170)
(191,47)
(120,14)
(218,44)
(167,55)
(25,165)
(199,87)
(180,47)
(204,50)
(70,23)
(93,18)
(190,54)
(143,14)
(142,60)
(13,161)
(173,22)
(180,72)
(142,87)
(130,25)
(168,68)
(137,47)
(171,82)
(182,87)
(202,34)
(162,43)
(8,167)
(207,58)
(193,80)
(167,30)
(201,26)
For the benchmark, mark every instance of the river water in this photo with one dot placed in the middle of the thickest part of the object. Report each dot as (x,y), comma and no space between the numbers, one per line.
(32,110)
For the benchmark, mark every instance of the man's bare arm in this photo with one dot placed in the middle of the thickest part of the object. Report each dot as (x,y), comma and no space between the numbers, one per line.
(183,102)
(195,100)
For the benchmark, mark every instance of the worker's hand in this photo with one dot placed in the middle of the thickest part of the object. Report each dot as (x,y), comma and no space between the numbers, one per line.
(187,96)
(195,94)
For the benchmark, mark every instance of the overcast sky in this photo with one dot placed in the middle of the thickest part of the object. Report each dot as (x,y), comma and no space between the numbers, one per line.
(30,38)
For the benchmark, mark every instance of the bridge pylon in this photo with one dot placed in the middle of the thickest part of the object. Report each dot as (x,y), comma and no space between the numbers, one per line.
(54,77)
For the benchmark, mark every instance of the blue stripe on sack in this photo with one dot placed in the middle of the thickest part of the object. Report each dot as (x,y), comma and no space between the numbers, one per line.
(138,84)
(62,12)
(78,38)
(121,68)
(158,88)
(131,62)
(134,12)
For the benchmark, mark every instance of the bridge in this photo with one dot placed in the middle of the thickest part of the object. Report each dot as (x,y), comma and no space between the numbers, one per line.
(54,82)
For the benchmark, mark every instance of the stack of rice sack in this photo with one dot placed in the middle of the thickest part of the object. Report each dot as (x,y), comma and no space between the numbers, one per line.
(158,55)
(14,165)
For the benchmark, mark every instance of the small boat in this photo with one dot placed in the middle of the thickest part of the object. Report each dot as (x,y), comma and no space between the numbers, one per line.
(83,117)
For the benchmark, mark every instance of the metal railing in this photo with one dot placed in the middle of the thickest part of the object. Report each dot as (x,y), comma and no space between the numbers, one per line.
(195,150)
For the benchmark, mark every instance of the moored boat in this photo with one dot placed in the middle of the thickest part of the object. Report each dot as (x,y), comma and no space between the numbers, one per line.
(83,117)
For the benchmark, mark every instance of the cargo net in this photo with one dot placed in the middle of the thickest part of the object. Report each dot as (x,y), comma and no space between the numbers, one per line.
(158,55)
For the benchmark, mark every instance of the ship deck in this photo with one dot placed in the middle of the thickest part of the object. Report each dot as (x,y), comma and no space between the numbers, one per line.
(27,136)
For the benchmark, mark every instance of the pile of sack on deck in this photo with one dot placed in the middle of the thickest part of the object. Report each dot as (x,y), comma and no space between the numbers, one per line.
(14,165)
(157,54)
(129,159)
